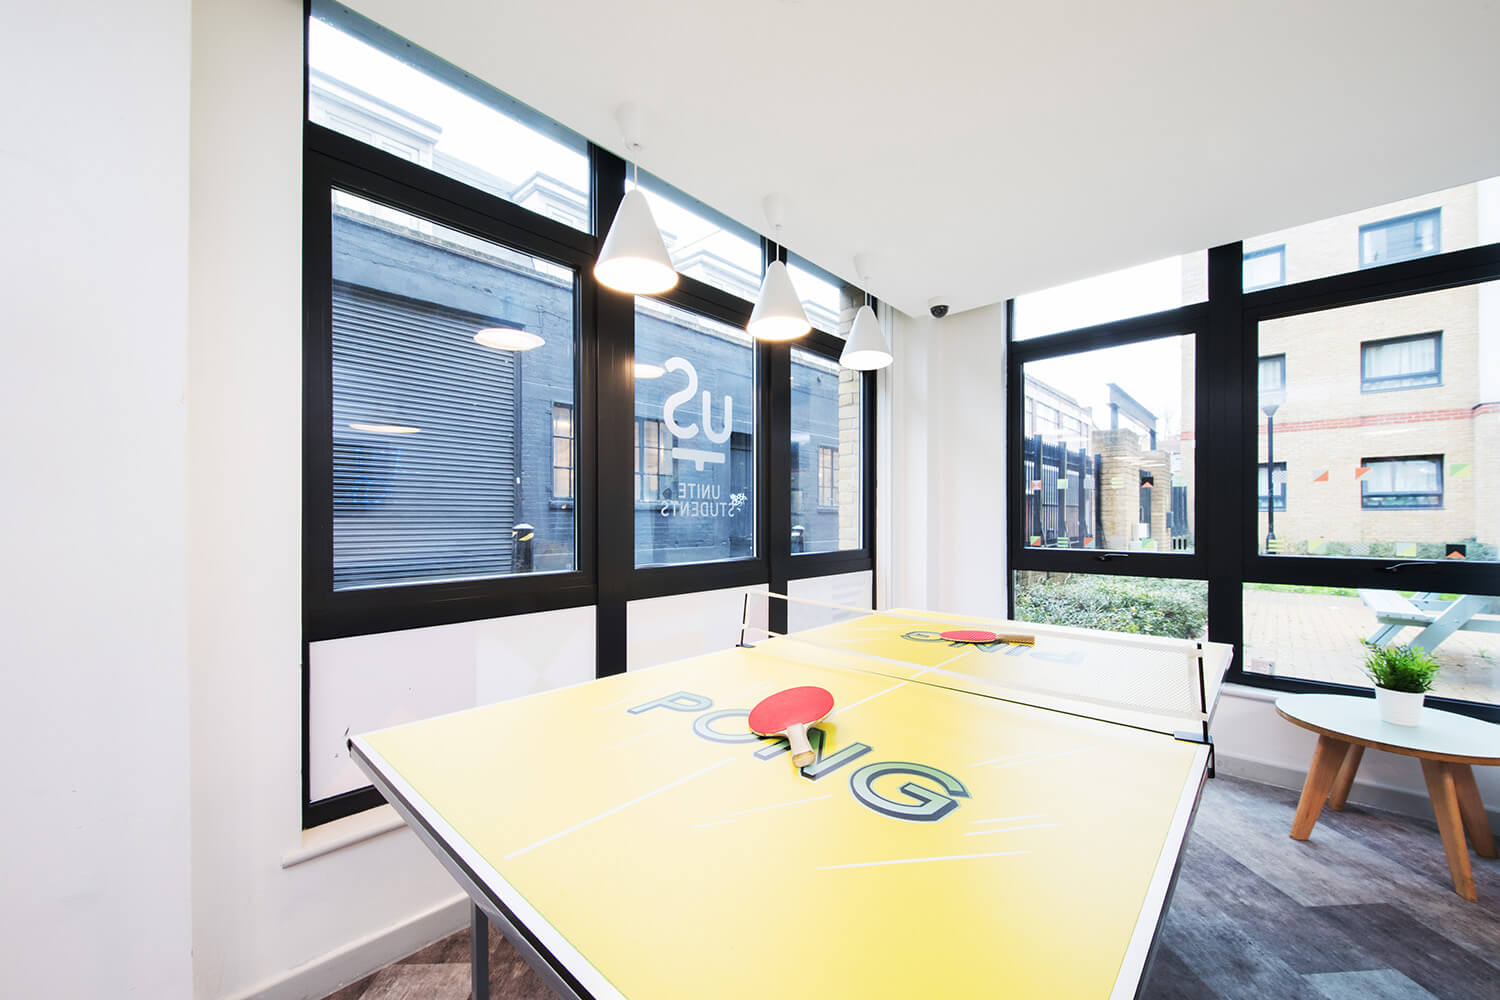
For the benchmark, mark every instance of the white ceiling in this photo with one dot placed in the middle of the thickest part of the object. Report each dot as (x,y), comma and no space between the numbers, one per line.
(979,150)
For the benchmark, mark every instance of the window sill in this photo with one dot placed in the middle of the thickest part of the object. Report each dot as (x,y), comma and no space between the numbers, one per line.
(341,833)
(556,504)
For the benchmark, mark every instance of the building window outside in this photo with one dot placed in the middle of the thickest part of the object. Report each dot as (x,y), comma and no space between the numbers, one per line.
(827,433)
(1278,481)
(698,420)
(828,477)
(653,461)
(431,467)
(1272,375)
(1401,238)
(1265,268)
(562,451)
(1401,483)
(1401,363)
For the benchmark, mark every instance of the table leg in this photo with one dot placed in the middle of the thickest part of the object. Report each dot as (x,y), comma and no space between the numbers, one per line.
(1339,795)
(1475,821)
(1443,790)
(1320,774)
(479,952)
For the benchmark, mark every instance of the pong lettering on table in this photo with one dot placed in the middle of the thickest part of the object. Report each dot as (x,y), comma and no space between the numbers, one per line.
(626,834)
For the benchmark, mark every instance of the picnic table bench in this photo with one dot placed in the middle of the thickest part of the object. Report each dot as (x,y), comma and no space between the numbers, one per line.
(1436,617)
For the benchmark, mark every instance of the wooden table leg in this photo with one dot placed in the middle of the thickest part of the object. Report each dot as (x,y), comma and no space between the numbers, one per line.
(1320,774)
(1443,790)
(1475,821)
(1339,794)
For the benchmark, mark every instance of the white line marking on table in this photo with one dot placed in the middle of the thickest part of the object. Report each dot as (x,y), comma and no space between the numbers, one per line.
(872,697)
(1010,829)
(745,812)
(913,861)
(623,805)
(1007,819)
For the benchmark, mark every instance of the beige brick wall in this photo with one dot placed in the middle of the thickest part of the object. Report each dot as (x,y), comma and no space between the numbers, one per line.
(1328,423)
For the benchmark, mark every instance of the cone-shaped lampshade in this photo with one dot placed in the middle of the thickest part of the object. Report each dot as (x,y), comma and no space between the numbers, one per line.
(778,311)
(634,258)
(866,349)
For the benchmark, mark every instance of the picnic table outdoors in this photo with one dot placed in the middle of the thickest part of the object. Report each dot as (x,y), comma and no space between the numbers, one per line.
(1438,617)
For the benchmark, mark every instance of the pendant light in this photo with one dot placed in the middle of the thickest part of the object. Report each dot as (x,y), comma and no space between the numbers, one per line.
(778,313)
(508,338)
(634,258)
(866,349)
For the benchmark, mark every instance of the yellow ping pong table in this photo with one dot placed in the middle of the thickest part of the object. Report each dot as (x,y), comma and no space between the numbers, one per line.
(980,820)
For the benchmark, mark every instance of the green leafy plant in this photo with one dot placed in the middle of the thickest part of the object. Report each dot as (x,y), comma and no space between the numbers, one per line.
(1400,668)
(1117,604)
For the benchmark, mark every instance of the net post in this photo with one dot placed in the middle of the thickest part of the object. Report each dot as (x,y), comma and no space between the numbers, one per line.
(744,616)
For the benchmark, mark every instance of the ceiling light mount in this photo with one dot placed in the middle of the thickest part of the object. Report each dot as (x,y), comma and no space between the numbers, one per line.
(633,258)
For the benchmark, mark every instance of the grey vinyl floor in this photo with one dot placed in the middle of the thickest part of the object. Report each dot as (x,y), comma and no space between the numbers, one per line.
(1365,910)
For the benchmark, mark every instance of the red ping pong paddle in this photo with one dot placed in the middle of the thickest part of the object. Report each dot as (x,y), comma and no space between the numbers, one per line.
(788,713)
(982,636)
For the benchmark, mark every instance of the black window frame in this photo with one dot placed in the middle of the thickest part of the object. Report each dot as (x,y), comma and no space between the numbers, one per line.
(605,576)
(1381,383)
(1280,251)
(1436,214)
(1227,419)
(1366,495)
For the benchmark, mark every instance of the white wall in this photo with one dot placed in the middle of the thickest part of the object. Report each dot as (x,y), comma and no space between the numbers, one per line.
(945,495)
(93,276)
(254,922)
(663,629)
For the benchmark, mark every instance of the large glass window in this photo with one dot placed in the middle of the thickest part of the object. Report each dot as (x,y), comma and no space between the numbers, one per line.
(443,444)
(695,497)
(1133,291)
(1378,473)
(705,244)
(1318,633)
(1107,448)
(1143,605)
(827,413)
(371,86)
(825,298)
(1456,218)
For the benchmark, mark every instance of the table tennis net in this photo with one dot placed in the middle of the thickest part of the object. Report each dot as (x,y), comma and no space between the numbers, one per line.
(1144,681)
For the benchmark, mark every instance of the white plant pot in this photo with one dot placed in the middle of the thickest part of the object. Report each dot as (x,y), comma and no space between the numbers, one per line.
(1400,708)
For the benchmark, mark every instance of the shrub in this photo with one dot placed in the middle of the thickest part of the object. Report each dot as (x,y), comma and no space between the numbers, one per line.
(1400,668)
(1118,604)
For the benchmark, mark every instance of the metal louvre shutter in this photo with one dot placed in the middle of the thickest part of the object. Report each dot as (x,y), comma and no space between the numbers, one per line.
(439,503)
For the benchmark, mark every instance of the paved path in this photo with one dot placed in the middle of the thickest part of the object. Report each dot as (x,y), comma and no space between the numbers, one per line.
(1316,636)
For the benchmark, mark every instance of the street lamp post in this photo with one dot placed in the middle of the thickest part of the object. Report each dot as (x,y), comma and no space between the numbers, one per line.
(1270,403)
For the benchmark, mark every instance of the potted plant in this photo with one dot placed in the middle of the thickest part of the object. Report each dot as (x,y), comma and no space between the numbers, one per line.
(1402,675)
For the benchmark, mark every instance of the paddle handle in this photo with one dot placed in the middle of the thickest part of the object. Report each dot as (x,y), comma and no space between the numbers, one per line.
(802,751)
